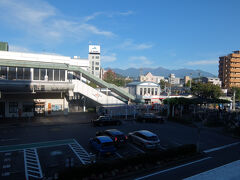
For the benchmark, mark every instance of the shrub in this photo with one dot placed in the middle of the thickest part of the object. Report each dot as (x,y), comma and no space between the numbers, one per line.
(144,159)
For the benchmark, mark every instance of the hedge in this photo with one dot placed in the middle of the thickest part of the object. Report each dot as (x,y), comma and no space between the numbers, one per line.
(140,159)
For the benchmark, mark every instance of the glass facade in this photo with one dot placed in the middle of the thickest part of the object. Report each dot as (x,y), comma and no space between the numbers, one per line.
(26,74)
(50,74)
(3,72)
(13,107)
(12,73)
(20,73)
(42,74)
(35,74)
(56,74)
(62,75)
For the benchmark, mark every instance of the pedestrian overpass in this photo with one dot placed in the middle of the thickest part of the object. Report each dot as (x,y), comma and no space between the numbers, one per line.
(79,86)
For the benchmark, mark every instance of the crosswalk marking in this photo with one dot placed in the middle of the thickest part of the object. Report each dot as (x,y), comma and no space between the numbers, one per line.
(80,152)
(32,164)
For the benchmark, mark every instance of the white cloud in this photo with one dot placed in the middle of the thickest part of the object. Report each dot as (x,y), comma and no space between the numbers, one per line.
(41,21)
(127,13)
(139,61)
(107,14)
(109,58)
(202,62)
(129,44)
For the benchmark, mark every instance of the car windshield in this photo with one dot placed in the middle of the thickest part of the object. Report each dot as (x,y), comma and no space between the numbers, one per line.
(107,144)
(105,118)
(148,115)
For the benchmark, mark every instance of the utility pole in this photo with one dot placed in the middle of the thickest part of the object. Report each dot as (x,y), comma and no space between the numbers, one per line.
(233,103)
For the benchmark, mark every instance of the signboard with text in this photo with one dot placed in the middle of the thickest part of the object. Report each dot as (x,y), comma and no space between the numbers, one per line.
(94,49)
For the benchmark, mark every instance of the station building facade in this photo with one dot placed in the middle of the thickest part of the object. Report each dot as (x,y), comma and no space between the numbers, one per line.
(37,84)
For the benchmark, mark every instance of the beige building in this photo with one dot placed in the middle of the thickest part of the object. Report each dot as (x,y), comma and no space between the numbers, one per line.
(150,78)
(229,70)
(186,79)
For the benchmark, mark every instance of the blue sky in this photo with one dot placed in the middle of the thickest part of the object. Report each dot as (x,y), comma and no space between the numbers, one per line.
(132,33)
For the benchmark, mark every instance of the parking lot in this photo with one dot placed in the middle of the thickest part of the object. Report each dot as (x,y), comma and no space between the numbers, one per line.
(44,150)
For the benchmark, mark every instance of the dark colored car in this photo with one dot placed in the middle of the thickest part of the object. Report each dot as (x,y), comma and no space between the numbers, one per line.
(103,145)
(150,117)
(118,137)
(106,120)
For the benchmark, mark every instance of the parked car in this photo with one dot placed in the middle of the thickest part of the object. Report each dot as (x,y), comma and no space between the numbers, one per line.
(145,138)
(103,145)
(118,137)
(106,120)
(150,117)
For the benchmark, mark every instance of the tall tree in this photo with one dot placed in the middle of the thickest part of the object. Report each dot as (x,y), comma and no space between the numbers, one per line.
(206,90)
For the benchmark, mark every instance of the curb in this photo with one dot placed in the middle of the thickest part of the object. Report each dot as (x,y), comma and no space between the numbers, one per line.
(150,170)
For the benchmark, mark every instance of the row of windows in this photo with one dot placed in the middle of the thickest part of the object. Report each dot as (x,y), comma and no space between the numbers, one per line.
(20,73)
(150,91)
(51,74)
(96,57)
(15,73)
(13,107)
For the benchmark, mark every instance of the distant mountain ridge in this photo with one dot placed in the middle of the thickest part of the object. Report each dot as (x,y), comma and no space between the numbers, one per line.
(160,71)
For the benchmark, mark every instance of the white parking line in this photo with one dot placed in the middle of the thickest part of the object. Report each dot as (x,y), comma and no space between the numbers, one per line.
(120,156)
(170,169)
(222,147)
(137,148)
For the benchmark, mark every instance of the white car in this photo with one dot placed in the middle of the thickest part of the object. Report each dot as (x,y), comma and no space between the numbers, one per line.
(145,138)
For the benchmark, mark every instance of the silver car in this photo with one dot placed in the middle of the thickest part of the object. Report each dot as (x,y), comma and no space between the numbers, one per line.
(145,138)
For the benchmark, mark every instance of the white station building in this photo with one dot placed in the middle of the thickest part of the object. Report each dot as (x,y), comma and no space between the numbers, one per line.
(41,84)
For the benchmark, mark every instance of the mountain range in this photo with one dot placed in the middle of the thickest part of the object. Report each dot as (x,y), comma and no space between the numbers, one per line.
(160,71)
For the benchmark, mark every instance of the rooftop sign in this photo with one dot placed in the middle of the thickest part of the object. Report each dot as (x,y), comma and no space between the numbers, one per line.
(94,49)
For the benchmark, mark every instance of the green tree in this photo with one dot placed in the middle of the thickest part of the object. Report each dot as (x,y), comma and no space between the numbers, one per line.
(163,84)
(237,93)
(206,90)
(112,77)
(188,83)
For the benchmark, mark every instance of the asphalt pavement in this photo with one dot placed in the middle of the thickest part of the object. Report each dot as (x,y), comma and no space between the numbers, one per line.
(57,156)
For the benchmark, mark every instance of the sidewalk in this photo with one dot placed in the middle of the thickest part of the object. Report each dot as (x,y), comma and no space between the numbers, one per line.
(71,118)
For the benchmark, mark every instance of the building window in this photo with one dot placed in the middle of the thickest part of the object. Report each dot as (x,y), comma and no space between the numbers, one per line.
(92,57)
(42,74)
(19,73)
(50,74)
(97,57)
(56,74)
(56,107)
(92,63)
(36,74)
(3,72)
(156,91)
(149,90)
(26,74)
(145,91)
(62,75)
(141,91)
(152,91)
(97,63)
(12,73)
(93,68)
(13,107)
(96,68)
